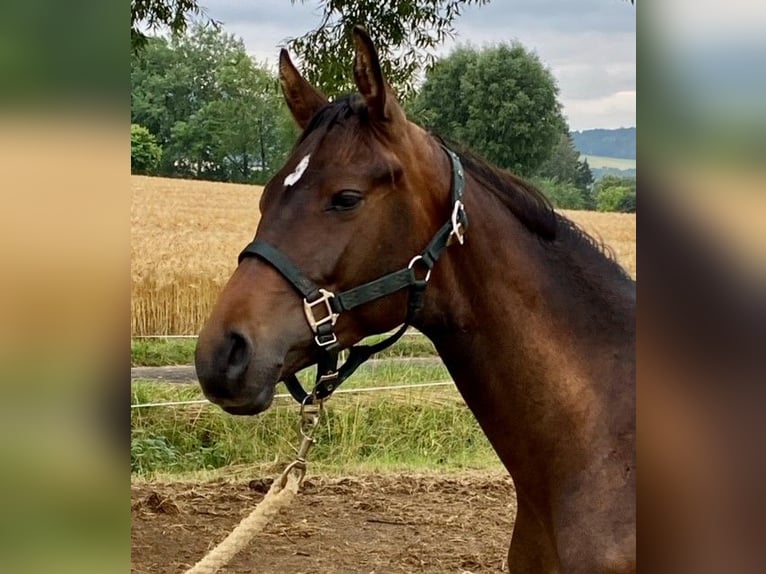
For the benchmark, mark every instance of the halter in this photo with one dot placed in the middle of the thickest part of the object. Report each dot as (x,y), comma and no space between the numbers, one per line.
(322,307)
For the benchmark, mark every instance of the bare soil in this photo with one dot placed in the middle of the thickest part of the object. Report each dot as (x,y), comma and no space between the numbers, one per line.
(370,524)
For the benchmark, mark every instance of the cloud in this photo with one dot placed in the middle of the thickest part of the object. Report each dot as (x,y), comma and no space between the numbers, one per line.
(589,45)
(561,16)
(704,21)
(264,13)
(611,111)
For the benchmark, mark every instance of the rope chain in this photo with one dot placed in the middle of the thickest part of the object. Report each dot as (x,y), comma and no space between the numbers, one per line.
(282,491)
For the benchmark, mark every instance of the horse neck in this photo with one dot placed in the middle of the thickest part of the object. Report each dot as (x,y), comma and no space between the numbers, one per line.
(536,345)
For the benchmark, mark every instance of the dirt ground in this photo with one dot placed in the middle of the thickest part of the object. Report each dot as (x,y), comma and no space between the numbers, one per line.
(370,524)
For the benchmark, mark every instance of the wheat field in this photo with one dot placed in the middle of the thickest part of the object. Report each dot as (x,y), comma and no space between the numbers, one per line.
(186,235)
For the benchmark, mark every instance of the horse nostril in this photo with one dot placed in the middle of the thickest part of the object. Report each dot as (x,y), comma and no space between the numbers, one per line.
(239,356)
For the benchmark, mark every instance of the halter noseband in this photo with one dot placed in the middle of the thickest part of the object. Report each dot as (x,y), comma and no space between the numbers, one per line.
(322,307)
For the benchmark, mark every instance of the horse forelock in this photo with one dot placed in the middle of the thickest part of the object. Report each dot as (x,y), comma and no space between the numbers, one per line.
(336,113)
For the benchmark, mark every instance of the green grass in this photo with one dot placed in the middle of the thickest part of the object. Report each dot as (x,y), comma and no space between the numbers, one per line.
(597,161)
(426,429)
(162,352)
(423,429)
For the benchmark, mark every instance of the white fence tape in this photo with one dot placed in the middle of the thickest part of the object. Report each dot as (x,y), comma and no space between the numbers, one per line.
(285,395)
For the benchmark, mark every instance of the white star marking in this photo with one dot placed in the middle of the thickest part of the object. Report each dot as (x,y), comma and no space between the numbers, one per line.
(293,178)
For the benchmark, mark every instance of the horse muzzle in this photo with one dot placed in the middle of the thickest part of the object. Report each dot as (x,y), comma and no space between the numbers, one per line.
(233,376)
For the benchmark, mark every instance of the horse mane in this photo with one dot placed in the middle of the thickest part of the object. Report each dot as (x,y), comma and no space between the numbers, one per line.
(531,207)
(522,198)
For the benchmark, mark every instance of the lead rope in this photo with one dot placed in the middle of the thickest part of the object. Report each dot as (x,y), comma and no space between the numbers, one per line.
(281,493)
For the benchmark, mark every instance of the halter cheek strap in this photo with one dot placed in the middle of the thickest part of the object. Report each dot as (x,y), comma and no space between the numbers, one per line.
(322,307)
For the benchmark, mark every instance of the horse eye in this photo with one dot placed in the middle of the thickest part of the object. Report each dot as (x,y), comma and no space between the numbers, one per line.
(345,200)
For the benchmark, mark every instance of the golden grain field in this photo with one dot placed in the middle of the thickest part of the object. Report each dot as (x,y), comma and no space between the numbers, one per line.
(186,235)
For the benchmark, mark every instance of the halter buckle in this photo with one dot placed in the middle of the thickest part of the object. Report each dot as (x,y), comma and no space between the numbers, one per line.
(325,340)
(458,228)
(329,315)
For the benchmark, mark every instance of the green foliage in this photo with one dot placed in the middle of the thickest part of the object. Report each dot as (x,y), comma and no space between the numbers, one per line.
(610,198)
(565,165)
(216,114)
(150,452)
(499,101)
(145,154)
(615,181)
(614,193)
(156,14)
(565,194)
(628,203)
(405,34)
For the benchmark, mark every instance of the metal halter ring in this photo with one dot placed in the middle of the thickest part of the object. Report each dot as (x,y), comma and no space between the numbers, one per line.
(458,230)
(415,260)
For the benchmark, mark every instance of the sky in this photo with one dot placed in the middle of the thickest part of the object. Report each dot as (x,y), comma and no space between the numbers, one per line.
(589,45)
(717,46)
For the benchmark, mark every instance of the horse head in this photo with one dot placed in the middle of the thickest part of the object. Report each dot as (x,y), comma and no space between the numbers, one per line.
(362,192)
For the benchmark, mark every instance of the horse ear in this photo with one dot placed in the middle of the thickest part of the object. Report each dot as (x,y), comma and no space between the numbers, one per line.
(303,99)
(369,77)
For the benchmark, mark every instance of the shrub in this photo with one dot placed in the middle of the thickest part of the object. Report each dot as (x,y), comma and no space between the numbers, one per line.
(628,203)
(145,153)
(615,193)
(611,198)
(564,195)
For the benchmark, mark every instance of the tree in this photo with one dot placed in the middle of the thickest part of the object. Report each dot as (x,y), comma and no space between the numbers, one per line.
(499,101)
(216,114)
(405,33)
(565,165)
(584,179)
(157,14)
(253,132)
(145,154)
(171,80)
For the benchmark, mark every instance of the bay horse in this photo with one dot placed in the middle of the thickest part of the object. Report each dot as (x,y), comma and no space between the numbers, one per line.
(533,320)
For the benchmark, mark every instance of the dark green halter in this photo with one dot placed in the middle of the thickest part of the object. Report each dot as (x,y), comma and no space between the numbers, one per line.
(323,307)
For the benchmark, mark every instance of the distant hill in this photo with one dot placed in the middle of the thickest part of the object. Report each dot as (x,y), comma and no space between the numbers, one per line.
(620,142)
(601,166)
(599,172)
(610,162)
